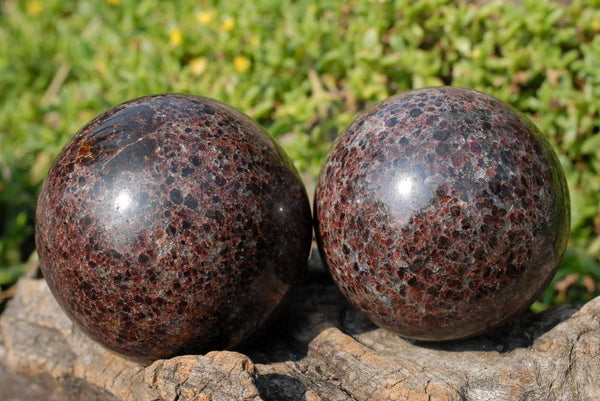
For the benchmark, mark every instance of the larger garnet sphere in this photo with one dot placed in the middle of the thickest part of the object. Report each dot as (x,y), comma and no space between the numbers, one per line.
(172,224)
(441,213)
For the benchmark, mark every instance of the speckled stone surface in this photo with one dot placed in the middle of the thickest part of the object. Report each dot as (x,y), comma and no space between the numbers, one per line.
(172,224)
(441,213)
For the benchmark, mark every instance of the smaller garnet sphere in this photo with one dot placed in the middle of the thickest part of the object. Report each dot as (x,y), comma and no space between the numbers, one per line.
(442,213)
(172,224)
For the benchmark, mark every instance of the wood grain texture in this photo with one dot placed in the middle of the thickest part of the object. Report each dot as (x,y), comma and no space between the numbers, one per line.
(319,349)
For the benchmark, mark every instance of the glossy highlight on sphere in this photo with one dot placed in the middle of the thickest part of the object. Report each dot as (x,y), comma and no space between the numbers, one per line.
(441,213)
(172,224)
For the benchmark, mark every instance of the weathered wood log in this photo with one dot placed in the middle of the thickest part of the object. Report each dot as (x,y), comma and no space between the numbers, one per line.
(320,348)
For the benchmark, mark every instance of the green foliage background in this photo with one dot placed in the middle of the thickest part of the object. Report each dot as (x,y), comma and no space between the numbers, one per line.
(303,69)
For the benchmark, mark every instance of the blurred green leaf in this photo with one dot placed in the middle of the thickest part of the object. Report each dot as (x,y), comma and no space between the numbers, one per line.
(591,146)
(307,69)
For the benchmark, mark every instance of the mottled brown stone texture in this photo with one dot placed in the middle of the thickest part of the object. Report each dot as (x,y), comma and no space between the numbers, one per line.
(442,213)
(172,224)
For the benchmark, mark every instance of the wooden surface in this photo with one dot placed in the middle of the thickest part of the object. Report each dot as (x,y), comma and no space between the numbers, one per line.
(320,348)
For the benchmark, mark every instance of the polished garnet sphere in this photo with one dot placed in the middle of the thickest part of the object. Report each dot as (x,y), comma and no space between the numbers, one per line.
(441,213)
(172,224)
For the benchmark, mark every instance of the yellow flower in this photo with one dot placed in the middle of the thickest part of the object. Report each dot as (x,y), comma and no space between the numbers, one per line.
(241,64)
(595,23)
(254,40)
(198,65)
(228,24)
(205,17)
(175,37)
(113,2)
(34,8)
(101,67)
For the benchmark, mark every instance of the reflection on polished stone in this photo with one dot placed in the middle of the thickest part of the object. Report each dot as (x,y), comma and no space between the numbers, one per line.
(441,213)
(172,224)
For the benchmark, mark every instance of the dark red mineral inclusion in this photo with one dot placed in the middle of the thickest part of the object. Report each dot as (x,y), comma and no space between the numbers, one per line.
(172,224)
(441,213)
